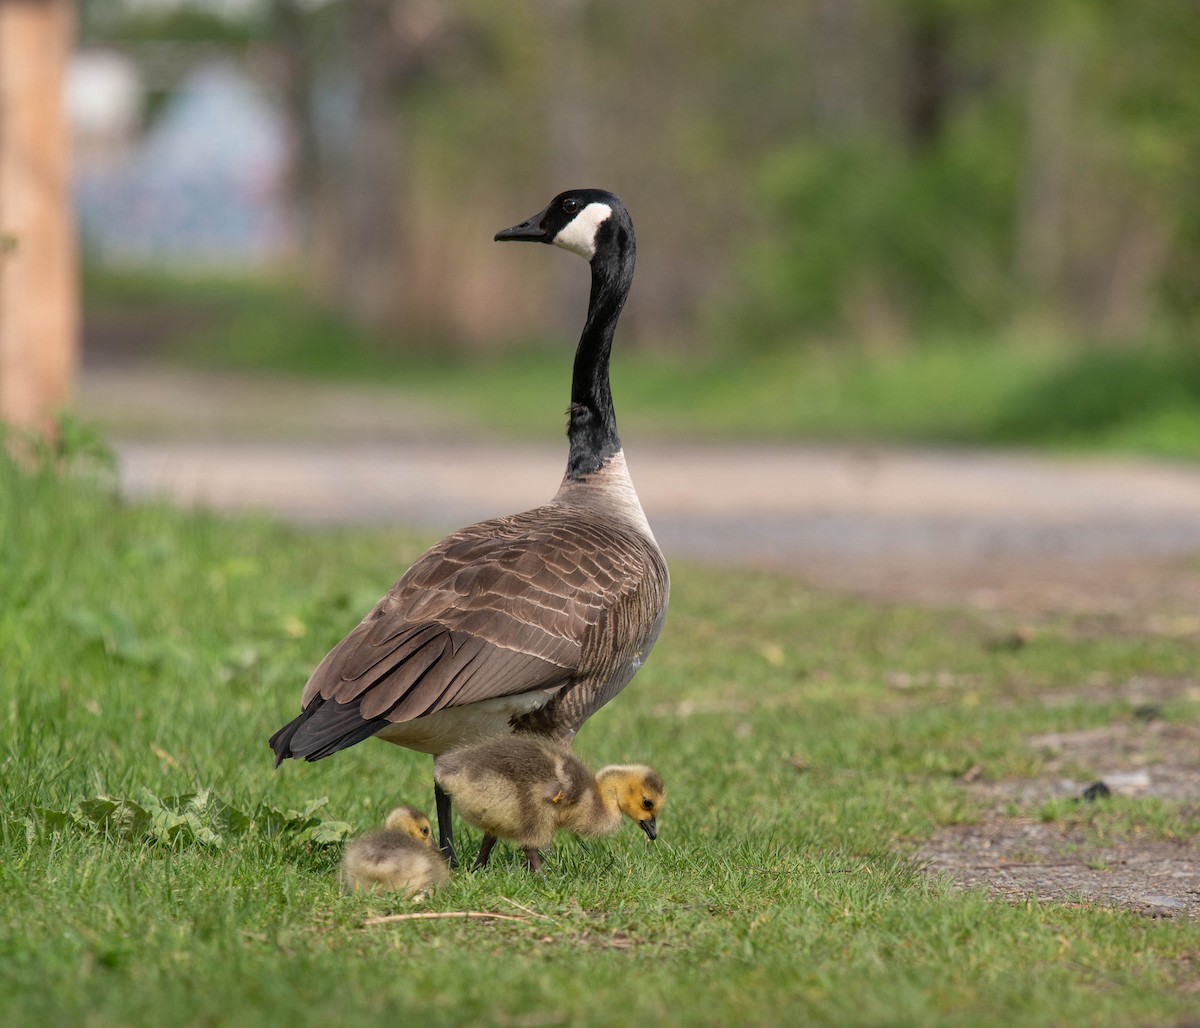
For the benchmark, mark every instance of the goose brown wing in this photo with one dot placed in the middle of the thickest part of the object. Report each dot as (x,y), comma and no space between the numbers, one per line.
(503,607)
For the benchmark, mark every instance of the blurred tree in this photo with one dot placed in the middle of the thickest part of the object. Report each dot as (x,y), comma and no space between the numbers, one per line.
(297,72)
(928,83)
(1043,179)
(38,292)
(890,171)
(351,185)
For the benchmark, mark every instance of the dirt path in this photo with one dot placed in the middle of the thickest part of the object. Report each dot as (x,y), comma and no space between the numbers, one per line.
(1005,530)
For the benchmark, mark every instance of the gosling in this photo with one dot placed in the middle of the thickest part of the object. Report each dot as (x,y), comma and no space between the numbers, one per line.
(525,788)
(399,858)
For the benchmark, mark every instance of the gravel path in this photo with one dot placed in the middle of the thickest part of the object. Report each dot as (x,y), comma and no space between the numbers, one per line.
(992,528)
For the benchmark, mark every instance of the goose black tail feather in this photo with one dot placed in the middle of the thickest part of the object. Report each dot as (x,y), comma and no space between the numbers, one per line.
(322,729)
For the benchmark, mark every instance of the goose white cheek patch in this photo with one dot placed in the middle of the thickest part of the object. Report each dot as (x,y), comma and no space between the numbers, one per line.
(580,235)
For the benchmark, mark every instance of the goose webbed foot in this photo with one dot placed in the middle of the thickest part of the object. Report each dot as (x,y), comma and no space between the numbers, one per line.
(485,851)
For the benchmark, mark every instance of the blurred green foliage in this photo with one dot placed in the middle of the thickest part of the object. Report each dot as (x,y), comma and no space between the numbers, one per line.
(823,168)
(971,388)
(866,234)
(1134,400)
(983,215)
(1057,184)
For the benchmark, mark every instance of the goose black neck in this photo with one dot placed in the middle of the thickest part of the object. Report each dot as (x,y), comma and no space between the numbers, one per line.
(592,421)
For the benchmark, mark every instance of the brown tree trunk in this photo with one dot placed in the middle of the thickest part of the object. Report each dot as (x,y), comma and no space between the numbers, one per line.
(370,279)
(1041,216)
(569,127)
(38,284)
(838,43)
(296,72)
(929,85)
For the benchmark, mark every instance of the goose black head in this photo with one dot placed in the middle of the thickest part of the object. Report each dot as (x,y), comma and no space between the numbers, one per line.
(580,220)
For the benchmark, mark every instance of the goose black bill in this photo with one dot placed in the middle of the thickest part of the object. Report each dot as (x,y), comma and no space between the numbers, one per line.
(528,231)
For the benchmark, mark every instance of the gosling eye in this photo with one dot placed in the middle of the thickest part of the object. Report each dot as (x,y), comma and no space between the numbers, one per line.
(425,831)
(570,205)
(647,804)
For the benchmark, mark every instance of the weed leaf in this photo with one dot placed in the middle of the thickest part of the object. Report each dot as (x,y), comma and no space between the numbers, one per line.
(193,819)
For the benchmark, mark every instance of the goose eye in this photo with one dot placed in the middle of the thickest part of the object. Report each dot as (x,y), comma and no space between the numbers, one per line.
(647,804)
(425,831)
(570,205)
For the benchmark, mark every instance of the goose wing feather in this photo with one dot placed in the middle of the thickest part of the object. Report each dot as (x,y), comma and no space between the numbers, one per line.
(502,607)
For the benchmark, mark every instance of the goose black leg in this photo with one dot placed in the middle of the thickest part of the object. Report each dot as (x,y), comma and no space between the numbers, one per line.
(485,851)
(533,858)
(445,827)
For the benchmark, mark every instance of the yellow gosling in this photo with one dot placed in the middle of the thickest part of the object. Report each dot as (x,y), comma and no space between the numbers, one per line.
(526,788)
(399,858)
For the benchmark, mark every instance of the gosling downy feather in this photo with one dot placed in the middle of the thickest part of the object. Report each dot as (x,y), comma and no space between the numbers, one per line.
(526,623)
(527,788)
(399,858)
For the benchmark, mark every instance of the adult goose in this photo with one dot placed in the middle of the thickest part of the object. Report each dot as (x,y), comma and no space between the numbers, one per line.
(525,623)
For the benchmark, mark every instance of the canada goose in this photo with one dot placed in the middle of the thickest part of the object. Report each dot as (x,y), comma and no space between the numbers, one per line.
(527,787)
(399,858)
(525,623)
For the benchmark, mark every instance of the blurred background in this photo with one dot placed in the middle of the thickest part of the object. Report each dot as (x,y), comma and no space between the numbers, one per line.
(912,219)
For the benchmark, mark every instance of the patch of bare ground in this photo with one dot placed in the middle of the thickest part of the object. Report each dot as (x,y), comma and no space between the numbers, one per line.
(1020,857)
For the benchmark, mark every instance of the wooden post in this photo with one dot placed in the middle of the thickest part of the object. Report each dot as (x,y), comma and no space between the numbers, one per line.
(39,315)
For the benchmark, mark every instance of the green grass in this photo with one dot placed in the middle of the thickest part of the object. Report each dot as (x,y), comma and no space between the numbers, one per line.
(146,649)
(1028,392)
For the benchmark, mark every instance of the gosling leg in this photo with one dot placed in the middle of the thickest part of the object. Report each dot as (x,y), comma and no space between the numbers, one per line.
(485,851)
(445,827)
(533,858)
